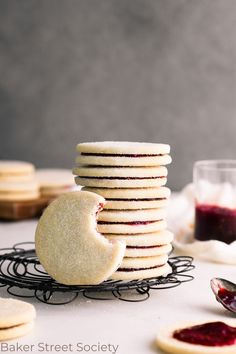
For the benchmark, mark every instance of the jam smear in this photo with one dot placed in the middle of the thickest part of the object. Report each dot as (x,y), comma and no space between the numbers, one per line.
(215,223)
(210,334)
(227,297)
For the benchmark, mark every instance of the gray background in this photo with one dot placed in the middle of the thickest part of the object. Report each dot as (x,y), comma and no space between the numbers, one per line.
(139,70)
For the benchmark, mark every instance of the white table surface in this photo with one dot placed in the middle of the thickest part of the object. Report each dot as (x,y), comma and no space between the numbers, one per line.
(131,326)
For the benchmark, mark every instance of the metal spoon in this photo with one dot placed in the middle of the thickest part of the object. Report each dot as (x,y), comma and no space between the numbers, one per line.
(225,293)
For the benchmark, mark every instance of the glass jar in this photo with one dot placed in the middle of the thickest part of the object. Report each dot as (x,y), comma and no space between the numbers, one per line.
(215,196)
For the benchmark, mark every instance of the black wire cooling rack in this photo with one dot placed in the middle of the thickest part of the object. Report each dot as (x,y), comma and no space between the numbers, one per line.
(23,276)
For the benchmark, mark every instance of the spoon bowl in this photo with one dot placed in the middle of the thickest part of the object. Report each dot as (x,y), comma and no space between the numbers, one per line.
(225,293)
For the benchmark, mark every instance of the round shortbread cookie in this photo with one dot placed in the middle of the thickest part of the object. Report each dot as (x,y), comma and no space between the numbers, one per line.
(26,178)
(15,168)
(133,198)
(123,147)
(168,344)
(142,274)
(123,160)
(54,178)
(162,237)
(54,192)
(131,215)
(128,228)
(143,262)
(145,245)
(16,331)
(120,172)
(150,251)
(15,312)
(134,205)
(18,187)
(121,183)
(21,196)
(16,191)
(68,245)
(131,194)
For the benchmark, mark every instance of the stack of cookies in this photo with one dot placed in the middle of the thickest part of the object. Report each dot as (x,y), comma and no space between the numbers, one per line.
(19,191)
(54,182)
(17,181)
(131,177)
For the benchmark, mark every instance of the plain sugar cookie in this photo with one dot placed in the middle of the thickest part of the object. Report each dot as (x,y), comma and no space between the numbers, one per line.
(19,191)
(53,182)
(15,168)
(123,147)
(68,244)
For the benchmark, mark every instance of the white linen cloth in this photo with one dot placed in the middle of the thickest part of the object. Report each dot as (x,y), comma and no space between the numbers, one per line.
(180,218)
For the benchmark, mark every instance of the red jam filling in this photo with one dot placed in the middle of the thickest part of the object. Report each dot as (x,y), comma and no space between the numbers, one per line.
(99,208)
(134,269)
(127,223)
(134,200)
(210,334)
(143,247)
(215,223)
(122,178)
(228,298)
(119,155)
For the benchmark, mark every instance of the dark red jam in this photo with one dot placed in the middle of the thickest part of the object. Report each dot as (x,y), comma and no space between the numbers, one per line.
(210,334)
(215,223)
(134,269)
(119,155)
(134,200)
(228,298)
(127,222)
(121,178)
(99,208)
(143,247)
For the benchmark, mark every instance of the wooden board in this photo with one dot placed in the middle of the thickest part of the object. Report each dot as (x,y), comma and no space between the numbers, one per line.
(21,210)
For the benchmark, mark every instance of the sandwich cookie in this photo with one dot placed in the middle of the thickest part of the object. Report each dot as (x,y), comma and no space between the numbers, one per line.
(16,318)
(141,268)
(53,182)
(19,191)
(68,245)
(16,171)
(144,245)
(123,147)
(131,221)
(115,177)
(133,198)
(131,227)
(123,160)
